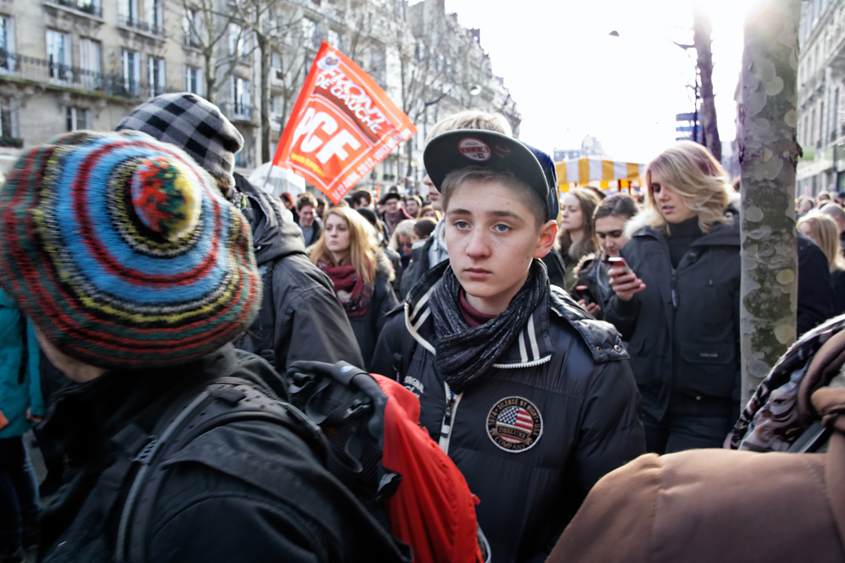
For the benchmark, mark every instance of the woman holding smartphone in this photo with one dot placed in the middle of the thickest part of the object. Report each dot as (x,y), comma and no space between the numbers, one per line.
(679,310)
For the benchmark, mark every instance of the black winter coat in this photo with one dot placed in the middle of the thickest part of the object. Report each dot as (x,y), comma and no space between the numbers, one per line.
(815,286)
(300,316)
(246,491)
(568,373)
(368,326)
(683,328)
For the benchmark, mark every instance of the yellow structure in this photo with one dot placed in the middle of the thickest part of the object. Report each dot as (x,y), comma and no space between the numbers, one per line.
(607,173)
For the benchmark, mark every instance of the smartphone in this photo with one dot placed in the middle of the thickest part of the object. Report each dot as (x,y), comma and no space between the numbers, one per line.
(619,262)
(581,292)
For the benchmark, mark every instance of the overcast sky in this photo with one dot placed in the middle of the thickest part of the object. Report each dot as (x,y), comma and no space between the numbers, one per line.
(570,78)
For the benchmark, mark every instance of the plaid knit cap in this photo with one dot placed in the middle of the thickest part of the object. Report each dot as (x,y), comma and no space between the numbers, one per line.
(196,126)
(123,252)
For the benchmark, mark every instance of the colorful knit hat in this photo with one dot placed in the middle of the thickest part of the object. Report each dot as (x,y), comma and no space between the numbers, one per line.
(123,252)
(196,126)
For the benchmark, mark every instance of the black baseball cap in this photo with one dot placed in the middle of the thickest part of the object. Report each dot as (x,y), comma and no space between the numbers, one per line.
(388,196)
(466,148)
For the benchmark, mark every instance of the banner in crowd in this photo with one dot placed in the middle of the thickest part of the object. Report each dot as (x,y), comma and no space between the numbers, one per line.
(342,125)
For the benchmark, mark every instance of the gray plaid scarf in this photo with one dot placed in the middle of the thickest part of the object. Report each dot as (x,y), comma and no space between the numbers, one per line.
(466,353)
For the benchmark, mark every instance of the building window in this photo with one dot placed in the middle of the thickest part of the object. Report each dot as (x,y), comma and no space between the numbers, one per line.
(90,55)
(309,33)
(240,98)
(7,44)
(192,24)
(128,12)
(333,39)
(155,15)
(58,55)
(155,75)
(92,7)
(193,80)
(131,72)
(77,118)
(8,118)
(239,41)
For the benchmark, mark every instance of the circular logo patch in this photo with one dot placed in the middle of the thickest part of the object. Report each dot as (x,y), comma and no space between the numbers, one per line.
(329,62)
(514,424)
(474,149)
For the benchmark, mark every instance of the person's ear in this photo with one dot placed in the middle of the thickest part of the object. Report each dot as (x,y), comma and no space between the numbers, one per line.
(546,239)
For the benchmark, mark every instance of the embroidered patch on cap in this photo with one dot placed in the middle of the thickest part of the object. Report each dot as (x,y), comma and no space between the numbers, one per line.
(474,149)
(514,424)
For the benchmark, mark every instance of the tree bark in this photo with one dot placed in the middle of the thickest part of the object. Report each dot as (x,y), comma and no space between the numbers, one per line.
(264,93)
(768,152)
(701,41)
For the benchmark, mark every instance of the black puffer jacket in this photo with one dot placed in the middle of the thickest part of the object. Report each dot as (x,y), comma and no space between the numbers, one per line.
(683,328)
(300,318)
(252,490)
(568,374)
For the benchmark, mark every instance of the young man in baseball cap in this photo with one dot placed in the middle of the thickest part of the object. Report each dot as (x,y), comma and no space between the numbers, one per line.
(531,397)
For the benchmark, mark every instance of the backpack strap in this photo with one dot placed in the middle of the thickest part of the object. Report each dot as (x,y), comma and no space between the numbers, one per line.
(402,358)
(223,401)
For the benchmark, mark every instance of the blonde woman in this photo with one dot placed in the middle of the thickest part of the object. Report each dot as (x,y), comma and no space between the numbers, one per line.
(350,255)
(679,309)
(577,236)
(822,229)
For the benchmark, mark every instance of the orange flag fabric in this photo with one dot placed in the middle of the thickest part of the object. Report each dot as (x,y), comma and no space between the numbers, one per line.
(342,125)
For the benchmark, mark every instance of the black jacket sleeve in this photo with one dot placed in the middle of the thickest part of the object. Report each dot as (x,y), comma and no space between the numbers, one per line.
(310,322)
(611,433)
(815,288)
(622,314)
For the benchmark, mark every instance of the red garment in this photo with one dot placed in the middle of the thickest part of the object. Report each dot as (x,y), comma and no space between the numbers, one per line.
(472,316)
(433,509)
(349,287)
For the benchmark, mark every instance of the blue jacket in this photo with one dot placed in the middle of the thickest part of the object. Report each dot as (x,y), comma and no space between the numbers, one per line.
(17,394)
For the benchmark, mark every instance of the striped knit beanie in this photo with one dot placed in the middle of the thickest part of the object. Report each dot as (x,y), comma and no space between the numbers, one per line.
(123,252)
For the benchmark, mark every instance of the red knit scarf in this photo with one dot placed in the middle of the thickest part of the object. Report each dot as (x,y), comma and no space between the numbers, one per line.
(349,287)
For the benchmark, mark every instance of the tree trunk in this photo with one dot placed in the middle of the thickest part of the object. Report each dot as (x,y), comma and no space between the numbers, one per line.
(210,78)
(264,52)
(768,152)
(701,41)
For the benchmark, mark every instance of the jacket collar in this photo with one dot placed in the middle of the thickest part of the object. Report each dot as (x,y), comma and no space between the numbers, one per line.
(721,234)
(532,347)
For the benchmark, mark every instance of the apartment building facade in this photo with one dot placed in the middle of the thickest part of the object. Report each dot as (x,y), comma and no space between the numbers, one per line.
(77,64)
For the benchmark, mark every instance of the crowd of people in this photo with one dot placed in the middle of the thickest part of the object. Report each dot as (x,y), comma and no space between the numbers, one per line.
(576,356)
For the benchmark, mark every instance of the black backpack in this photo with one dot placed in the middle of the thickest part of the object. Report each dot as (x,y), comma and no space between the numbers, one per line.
(223,401)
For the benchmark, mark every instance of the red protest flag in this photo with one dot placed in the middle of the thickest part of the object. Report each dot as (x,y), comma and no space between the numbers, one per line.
(342,125)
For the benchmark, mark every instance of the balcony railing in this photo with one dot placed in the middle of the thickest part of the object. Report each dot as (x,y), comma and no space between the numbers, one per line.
(147,27)
(40,70)
(87,7)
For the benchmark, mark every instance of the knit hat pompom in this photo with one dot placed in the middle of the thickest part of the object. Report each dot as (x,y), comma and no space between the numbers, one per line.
(164,197)
(124,253)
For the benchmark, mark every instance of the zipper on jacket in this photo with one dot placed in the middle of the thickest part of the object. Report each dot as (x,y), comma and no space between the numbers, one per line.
(674,290)
(452,401)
